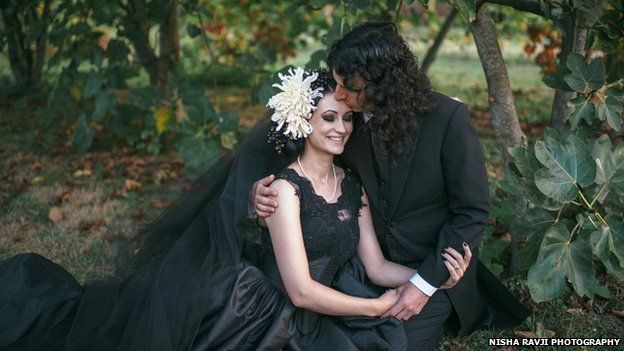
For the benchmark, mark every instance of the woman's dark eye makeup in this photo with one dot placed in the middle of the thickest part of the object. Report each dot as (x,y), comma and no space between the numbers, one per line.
(328,117)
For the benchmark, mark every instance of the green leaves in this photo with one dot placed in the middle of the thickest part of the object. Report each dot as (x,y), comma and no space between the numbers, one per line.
(560,258)
(584,78)
(198,154)
(83,135)
(546,279)
(584,184)
(609,164)
(104,101)
(584,111)
(466,8)
(567,164)
(595,101)
(611,111)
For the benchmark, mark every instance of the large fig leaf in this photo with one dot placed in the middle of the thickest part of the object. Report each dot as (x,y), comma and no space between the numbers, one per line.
(567,163)
(611,112)
(584,78)
(546,279)
(533,224)
(607,240)
(535,221)
(558,259)
(609,164)
(526,164)
(584,110)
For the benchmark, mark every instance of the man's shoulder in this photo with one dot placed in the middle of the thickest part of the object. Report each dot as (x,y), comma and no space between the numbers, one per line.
(445,105)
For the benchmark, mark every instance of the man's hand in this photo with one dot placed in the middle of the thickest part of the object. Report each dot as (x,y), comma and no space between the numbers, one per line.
(262,197)
(410,303)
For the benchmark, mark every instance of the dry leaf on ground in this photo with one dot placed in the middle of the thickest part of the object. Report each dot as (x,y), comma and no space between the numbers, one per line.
(55,215)
(130,184)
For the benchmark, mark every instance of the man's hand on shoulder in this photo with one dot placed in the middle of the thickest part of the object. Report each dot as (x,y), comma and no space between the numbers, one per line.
(410,303)
(263,197)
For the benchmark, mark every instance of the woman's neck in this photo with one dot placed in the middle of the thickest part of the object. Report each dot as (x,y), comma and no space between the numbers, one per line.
(317,165)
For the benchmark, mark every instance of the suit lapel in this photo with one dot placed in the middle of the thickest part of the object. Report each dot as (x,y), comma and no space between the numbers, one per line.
(399,175)
(362,155)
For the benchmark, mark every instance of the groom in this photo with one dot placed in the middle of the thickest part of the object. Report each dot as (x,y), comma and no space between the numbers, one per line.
(422,168)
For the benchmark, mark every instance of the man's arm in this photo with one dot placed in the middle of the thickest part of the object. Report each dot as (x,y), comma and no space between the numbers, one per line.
(468,196)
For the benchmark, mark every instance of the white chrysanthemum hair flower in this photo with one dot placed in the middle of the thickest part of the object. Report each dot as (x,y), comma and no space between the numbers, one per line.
(293,106)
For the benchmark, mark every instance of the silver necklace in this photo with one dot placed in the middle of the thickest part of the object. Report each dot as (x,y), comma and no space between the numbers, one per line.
(312,180)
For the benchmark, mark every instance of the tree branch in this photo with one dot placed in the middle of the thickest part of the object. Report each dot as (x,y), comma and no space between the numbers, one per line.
(531,6)
(433,50)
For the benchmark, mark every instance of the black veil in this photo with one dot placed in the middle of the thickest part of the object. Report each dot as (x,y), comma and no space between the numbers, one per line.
(172,276)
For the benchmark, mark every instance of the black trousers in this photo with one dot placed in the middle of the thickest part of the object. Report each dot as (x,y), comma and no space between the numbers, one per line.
(425,330)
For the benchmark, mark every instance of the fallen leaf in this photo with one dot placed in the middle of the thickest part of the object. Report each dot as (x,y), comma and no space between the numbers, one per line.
(619,313)
(542,332)
(63,196)
(37,179)
(526,334)
(119,193)
(574,310)
(82,173)
(55,215)
(138,214)
(131,185)
(89,225)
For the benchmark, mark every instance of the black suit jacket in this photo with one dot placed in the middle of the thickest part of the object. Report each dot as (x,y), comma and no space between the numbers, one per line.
(438,196)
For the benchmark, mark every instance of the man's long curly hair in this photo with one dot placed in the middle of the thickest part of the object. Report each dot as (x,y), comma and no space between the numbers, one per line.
(395,89)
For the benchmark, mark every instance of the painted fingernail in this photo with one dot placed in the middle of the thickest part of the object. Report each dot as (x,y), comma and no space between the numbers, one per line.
(465,244)
(446,248)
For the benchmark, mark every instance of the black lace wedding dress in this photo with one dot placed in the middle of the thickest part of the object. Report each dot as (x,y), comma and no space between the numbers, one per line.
(206,292)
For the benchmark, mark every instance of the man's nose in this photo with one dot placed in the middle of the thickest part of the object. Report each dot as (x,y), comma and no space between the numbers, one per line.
(340,94)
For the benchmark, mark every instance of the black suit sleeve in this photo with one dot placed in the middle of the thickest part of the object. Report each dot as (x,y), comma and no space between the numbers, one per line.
(467,190)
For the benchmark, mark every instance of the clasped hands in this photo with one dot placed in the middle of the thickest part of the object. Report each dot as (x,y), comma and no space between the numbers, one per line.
(412,300)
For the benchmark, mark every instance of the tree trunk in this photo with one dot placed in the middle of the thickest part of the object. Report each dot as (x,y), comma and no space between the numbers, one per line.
(502,109)
(169,44)
(137,27)
(25,60)
(433,50)
(575,30)
(42,44)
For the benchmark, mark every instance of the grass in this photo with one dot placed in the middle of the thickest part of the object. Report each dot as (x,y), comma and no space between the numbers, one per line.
(92,193)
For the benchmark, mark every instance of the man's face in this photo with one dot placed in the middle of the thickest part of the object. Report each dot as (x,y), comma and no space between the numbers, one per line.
(351,92)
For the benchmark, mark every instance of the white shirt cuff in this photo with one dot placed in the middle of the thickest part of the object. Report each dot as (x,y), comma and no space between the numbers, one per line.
(422,285)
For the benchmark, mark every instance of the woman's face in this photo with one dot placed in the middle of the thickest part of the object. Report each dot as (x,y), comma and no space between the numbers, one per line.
(332,124)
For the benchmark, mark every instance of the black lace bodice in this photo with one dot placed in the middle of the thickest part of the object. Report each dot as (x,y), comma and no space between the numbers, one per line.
(330,230)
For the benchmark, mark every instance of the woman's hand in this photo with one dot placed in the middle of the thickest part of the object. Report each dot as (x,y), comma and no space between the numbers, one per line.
(263,197)
(387,300)
(456,265)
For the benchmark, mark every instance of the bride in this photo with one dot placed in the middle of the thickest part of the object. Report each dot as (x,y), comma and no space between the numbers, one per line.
(197,280)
